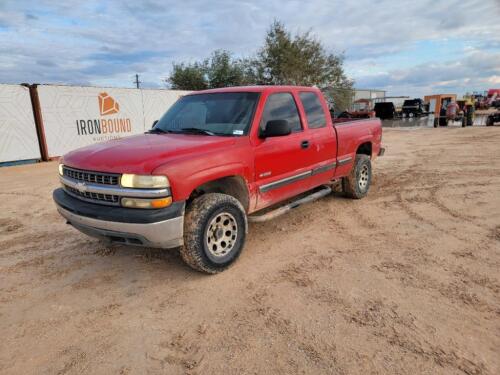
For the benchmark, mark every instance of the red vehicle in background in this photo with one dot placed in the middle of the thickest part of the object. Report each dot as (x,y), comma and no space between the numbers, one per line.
(213,162)
(493,98)
(361,110)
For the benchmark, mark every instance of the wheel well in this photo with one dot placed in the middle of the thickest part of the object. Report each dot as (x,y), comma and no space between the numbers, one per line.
(365,149)
(234,186)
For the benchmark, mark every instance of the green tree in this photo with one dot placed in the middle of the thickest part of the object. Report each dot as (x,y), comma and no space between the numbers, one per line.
(284,59)
(219,70)
(301,59)
(222,70)
(187,77)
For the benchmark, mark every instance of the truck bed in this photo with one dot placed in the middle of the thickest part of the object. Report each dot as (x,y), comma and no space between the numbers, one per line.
(351,134)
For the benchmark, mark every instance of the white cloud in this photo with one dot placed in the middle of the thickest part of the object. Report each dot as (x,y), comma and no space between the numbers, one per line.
(98,42)
(494,80)
(473,72)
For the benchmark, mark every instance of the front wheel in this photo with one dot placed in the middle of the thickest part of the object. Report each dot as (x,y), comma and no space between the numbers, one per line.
(357,184)
(215,226)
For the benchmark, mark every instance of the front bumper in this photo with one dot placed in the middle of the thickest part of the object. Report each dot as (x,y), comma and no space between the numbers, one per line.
(162,228)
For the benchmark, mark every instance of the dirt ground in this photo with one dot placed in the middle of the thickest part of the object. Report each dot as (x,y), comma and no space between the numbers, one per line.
(405,281)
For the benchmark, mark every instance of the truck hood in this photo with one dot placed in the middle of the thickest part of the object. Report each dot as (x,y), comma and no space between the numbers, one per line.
(141,154)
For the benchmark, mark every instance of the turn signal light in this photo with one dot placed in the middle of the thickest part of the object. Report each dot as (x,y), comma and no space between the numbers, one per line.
(146,203)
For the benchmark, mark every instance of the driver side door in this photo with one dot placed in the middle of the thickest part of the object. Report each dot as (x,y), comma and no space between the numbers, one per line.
(282,164)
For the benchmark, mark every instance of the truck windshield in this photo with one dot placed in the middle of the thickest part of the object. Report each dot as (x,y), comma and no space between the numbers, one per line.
(228,113)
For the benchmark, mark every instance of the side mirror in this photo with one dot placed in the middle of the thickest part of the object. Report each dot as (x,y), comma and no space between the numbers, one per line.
(276,128)
(154,123)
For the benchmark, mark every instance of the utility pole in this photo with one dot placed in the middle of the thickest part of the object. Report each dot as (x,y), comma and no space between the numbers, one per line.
(137,82)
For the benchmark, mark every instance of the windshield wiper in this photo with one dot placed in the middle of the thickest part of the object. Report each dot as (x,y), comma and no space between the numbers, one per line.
(194,131)
(157,131)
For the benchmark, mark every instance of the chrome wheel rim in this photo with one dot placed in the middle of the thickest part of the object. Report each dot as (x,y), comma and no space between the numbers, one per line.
(221,234)
(363,177)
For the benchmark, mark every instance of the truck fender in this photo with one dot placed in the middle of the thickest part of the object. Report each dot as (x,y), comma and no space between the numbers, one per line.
(207,176)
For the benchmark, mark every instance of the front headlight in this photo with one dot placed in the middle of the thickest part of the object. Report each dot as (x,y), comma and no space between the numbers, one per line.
(61,171)
(144,181)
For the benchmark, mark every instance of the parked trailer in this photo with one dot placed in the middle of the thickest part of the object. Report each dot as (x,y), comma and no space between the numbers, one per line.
(493,118)
(414,107)
(437,103)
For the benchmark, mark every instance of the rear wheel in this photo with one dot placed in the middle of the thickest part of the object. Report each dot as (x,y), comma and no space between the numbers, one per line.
(357,184)
(214,232)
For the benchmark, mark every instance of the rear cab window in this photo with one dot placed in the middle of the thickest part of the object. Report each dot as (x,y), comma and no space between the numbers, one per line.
(281,106)
(313,108)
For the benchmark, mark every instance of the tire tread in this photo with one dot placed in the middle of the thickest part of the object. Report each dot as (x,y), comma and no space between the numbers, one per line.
(350,183)
(198,211)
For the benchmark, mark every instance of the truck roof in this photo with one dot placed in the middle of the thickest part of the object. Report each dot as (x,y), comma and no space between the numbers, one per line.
(269,88)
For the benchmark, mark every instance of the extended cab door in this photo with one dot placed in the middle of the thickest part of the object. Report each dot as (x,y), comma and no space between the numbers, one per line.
(282,164)
(323,137)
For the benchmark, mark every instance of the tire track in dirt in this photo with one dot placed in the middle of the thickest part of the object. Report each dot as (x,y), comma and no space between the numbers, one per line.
(456,291)
(8,226)
(381,320)
(413,214)
(260,320)
(417,255)
(23,194)
(336,286)
(401,331)
(299,276)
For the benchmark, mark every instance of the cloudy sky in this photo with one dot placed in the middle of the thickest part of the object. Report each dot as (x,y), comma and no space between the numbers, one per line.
(406,47)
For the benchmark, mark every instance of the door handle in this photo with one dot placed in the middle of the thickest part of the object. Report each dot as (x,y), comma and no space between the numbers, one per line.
(304,144)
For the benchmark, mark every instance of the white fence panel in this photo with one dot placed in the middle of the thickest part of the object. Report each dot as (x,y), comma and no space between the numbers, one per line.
(18,138)
(75,116)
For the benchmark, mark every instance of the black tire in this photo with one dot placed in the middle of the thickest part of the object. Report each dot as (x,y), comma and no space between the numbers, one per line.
(201,216)
(357,184)
(489,121)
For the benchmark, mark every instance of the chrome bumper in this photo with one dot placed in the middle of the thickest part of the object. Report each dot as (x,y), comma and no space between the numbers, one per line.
(162,234)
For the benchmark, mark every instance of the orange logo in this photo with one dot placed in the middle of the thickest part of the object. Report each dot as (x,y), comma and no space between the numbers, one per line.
(107,104)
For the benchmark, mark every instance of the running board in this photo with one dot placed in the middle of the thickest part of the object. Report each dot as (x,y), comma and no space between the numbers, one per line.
(284,209)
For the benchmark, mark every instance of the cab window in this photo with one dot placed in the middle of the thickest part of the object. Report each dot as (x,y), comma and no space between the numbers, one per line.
(314,110)
(281,106)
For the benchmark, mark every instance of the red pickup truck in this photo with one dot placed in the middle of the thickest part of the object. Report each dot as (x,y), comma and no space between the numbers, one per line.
(213,162)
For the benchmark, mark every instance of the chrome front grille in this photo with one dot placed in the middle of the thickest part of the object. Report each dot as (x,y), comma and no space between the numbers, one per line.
(78,177)
(103,188)
(94,197)
(92,177)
